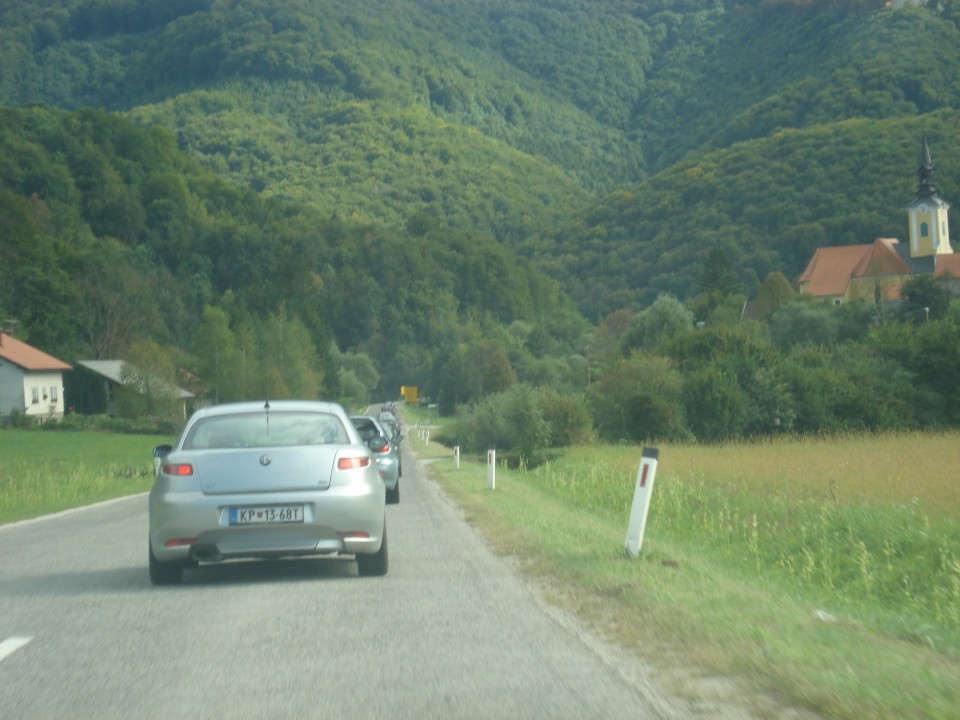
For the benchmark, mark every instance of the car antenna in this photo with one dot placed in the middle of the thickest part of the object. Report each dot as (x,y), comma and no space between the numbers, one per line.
(266,410)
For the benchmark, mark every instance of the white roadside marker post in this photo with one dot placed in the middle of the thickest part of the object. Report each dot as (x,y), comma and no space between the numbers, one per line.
(641,500)
(456,457)
(492,468)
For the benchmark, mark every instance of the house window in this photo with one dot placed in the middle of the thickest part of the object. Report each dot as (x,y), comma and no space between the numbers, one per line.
(53,393)
(924,230)
(36,395)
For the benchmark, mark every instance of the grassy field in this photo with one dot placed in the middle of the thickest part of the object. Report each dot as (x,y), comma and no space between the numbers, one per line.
(823,575)
(46,471)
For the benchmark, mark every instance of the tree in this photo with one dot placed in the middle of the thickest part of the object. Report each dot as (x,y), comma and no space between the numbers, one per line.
(719,275)
(290,366)
(357,376)
(218,360)
(497,371)
(666,317)
(640,398)
(923,298)
(715,403)
(149,380)
(774,292)
(804,322)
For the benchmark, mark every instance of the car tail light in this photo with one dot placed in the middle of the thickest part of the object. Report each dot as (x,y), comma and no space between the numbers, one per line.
(352,463)
(386,449)
(177,542)
(354,534)
(179,469)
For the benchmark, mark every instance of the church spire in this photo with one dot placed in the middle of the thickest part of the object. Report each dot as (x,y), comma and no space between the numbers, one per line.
(926,188)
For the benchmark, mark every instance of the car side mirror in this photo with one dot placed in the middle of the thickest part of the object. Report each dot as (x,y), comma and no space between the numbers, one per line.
(159,453)
(378,444)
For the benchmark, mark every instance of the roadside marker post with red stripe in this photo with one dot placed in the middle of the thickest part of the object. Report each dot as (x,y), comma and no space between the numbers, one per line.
(492,468)
(641,500)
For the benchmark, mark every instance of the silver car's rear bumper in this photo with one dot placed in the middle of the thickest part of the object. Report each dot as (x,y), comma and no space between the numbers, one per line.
(347,519)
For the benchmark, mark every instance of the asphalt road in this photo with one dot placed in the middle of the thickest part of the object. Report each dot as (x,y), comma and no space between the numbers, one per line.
(450,632)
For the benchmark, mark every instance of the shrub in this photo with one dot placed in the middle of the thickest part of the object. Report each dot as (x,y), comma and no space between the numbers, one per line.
(523,421)
(639,398)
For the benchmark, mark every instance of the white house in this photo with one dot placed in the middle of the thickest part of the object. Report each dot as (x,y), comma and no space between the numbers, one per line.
(31,382)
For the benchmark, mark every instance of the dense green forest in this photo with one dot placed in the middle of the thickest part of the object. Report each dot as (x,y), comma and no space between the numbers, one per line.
(114,236)
(343,197)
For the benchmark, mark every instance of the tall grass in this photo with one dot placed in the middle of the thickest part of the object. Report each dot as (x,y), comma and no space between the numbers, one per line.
(833,520)
(809,575)
(45,472)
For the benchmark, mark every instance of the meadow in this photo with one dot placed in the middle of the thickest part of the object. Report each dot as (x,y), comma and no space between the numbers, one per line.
(822,573)
(46,471)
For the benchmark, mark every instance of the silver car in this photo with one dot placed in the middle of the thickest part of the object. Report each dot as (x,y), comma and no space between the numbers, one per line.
(266,480)
(388,458)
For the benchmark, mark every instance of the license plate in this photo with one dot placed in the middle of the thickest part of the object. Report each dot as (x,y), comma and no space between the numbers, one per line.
(268,514)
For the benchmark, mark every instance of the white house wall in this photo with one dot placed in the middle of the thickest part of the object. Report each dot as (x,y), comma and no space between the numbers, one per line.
(43,394)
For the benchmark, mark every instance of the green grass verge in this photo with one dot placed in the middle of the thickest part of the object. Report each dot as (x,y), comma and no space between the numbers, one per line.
(848,611)
(47,471)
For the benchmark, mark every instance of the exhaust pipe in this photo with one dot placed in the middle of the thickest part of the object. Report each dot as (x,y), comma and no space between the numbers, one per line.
(207,554)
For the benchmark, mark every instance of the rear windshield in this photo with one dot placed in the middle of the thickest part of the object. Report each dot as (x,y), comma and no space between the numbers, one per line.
(367,428)
(262,429)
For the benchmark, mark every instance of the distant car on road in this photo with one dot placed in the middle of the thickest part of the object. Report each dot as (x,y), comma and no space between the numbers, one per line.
(267,480)
(390,423)
(388,458)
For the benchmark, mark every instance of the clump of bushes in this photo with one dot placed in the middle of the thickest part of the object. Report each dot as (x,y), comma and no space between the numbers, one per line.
(523,423)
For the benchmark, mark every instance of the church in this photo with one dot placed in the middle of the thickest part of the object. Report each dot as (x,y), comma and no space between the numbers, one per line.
(875,272)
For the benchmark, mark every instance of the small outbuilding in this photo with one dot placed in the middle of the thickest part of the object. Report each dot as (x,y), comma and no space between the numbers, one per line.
(94,385)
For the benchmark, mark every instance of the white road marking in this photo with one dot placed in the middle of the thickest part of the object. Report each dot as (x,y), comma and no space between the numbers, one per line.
(11,645)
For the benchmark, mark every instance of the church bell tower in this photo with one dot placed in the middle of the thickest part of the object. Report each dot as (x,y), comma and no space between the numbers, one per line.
(929,227)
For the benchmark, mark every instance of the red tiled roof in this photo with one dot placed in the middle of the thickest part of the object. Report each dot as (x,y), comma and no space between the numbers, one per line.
(948,265)
(881,259)
(28,357)
(831,268)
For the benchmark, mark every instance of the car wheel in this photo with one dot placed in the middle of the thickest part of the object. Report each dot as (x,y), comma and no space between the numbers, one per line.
(165,573)
(376,564)
(393,496)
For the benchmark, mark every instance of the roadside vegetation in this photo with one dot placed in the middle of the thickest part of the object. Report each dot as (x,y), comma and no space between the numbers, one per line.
(823,573)
(44,472)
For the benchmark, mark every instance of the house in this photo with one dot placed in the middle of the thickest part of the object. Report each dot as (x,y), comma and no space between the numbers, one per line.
(92,387)
(875,272)
(31,382)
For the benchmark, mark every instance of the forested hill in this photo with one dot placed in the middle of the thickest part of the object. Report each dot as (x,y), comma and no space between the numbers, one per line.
(615,144)
(111,236)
